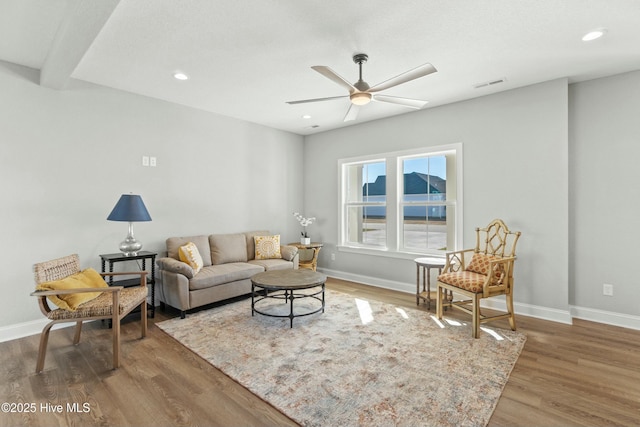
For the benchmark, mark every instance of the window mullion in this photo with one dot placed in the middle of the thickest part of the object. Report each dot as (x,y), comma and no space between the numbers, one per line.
(393,183)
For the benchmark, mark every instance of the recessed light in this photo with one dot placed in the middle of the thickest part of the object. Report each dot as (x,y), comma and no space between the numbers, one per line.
(593,35)
(306,116)
(180,76)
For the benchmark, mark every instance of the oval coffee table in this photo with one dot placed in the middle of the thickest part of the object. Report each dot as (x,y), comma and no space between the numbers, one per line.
(283,284)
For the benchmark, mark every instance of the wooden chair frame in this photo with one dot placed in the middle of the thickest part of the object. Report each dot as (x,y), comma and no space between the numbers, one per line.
(495,240)
(63,267)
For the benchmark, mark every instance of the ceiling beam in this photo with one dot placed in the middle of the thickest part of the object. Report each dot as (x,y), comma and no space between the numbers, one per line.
(82,23)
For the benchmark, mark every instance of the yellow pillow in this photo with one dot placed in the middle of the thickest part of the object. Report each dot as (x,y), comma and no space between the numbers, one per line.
(267,247)
(88,278)
(189,254)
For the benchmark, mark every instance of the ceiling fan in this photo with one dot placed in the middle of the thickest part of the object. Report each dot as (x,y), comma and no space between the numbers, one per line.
(360,93)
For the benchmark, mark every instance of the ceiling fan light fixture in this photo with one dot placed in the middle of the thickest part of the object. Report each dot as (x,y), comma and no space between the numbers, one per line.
(360,98)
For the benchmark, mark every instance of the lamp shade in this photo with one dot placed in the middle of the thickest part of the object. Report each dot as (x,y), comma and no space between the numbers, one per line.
(130,208)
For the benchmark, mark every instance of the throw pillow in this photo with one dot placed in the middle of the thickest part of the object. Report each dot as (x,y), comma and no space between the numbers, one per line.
(189,254)
(480,264)
(88,278)
(267,247)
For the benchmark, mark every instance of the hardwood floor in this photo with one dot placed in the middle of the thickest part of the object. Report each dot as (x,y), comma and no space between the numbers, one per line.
(582,374)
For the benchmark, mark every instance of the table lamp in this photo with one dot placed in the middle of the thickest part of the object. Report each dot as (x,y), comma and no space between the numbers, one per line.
(130,208)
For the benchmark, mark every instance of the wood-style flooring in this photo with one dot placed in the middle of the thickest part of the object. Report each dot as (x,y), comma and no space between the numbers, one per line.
(586,374)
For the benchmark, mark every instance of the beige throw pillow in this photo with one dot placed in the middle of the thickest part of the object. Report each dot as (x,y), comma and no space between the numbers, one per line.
(267,247)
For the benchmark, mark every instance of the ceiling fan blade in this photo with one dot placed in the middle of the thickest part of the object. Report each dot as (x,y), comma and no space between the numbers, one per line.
(416,73)
(407,102)
(352,113)
(303,101)
(332,75)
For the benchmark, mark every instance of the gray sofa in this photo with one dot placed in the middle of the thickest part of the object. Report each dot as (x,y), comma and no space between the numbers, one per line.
(228,265)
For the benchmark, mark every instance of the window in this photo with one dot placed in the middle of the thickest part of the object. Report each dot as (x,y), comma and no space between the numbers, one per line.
(365,204)
(402,202)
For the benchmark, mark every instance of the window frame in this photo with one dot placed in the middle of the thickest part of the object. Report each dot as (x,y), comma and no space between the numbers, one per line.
(395,247)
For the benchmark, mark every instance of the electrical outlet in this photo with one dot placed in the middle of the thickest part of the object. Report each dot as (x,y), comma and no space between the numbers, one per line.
(145,160)
(333,257)
(607,289)
(152,162)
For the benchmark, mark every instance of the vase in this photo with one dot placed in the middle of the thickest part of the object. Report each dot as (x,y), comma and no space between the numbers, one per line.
(305,240)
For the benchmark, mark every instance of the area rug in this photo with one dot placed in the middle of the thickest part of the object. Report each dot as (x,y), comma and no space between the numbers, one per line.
(360,363)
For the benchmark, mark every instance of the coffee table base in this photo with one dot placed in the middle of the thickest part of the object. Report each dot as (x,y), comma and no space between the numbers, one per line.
(288,295)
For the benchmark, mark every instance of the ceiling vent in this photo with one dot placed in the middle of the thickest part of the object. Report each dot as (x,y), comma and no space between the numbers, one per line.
(490,83)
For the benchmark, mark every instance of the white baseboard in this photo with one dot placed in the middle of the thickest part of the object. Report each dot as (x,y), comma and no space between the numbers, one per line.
(522,309)
(372,281)
(606,317)
(529,310)
(25,329)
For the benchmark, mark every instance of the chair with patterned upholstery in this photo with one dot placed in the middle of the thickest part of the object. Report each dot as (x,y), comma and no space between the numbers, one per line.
(483,272)
(83,296)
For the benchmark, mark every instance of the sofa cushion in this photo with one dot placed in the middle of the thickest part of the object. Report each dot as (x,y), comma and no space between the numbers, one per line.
(251,245)
(201,242)
(268,247)
(228,248)
(273,264)
(223,273)
(189,254)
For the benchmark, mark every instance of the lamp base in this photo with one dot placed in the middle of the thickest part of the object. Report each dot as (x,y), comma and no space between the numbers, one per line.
(130,246)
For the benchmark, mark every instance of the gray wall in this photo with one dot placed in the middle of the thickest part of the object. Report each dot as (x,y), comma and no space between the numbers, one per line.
(67,156)
(515,168)
(555,161)
(605,192)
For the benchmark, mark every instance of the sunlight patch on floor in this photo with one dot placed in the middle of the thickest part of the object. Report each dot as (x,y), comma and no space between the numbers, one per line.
(493,333)
(437,322)
(402,312)
(366,314)
(453,322)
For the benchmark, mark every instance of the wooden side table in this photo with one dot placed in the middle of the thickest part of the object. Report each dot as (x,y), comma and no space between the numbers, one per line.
(311,264)
(426,264)
(151,278)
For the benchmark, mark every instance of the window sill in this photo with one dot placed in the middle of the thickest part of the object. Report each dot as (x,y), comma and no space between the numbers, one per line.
(386,253)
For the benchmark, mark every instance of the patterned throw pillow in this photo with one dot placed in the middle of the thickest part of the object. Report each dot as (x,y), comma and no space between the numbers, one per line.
(480,264)
(267,247)
(189,254)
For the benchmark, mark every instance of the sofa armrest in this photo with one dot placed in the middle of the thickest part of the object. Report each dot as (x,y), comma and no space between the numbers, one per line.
(288,252)
(175,266)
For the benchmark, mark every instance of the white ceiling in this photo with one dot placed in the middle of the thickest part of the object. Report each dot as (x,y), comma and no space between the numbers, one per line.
(246,58)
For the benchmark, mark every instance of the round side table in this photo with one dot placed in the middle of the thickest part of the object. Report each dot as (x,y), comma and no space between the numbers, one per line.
(426,264)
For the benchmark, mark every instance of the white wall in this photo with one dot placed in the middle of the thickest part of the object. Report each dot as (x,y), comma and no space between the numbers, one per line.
(605,193)
(67,156)
(515,147)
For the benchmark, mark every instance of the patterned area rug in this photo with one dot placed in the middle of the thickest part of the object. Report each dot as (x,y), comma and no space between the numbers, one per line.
(361,363)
